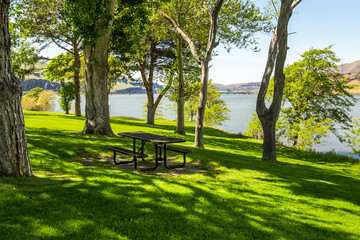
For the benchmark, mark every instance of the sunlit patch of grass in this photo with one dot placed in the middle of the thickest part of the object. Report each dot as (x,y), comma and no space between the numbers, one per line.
(304,196)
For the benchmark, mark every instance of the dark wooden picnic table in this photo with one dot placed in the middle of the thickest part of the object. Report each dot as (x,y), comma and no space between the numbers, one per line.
(159,141)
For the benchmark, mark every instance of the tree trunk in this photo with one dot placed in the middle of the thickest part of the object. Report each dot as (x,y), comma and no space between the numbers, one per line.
(199,127)
(180,128)
(96,71)
(14,155)
(276,58)
(151,108)
(77,80)
(269,144)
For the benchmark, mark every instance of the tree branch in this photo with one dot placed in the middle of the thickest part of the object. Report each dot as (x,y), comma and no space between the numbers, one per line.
(184,36)
(213,28)
(295,3)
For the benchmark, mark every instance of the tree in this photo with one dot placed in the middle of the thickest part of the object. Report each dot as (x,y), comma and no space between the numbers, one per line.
(67,95)
(92,21)
(276,59)
(316,91)
(150,53)
(216,109)
(60,69)
(239,21)
(155,61)
(14,155)
(47,22)
(182,11)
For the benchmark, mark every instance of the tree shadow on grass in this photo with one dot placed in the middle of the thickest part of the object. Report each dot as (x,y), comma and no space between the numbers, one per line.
(86,203)
(107,204)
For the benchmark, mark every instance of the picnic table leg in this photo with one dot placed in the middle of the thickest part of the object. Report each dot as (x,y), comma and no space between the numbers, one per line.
(156,161)
(175,166)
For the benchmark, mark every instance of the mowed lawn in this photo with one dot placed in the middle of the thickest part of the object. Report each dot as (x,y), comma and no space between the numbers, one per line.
(303,196)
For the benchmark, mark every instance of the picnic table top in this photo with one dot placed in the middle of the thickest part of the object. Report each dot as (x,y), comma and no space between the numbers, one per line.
(154,138)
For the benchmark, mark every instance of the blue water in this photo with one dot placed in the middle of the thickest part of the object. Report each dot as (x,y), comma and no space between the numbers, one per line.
(241,106)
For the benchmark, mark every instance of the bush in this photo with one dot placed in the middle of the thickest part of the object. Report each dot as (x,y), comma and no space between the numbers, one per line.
(28,103)
(353,138)
(44,101)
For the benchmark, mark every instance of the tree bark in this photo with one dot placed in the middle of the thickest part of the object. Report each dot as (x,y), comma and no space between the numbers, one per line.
(276,59)
(180,128)
(148,83)
(77,80)
(269,144)
(14,155)
(96,71)
(199,127)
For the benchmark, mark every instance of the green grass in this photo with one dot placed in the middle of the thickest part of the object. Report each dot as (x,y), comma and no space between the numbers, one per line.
(304,196)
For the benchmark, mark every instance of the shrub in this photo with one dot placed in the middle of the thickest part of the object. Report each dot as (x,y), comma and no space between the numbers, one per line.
(28,103)
(44,101)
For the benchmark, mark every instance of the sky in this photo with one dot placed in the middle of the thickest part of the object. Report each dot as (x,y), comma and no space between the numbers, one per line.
(317,23)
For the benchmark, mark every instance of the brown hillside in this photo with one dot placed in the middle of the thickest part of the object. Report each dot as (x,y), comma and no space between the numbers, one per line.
(349,68)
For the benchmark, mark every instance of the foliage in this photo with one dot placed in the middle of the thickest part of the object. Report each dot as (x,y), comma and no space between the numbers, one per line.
(83,15)
(254,128)
(60,68)
(315,90)
(353,137)
(67,95)
(39,100)
(34,93)
(216,110)
(304,132)
(231,197)
(46,99)
(116,70)
(130,22)
(24,54)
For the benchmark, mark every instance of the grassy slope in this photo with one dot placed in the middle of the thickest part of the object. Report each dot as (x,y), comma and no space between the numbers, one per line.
(304,196)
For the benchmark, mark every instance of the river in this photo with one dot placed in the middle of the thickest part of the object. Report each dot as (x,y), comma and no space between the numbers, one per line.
(241,106)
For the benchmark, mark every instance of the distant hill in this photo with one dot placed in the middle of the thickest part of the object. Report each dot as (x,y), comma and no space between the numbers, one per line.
(124,86)
(352,72)
(38,79)
(247,88)
(350,68)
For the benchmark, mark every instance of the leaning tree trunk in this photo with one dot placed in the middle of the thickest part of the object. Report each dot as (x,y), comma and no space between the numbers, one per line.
(180,128)
(96,92)
(276,58)
(14,155)
(199,127)
(77,80)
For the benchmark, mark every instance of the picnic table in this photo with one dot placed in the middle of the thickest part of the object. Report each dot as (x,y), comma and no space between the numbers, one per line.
(160,142)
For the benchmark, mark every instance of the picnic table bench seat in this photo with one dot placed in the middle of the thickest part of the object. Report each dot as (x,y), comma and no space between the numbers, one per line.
(175,149)
(127,152)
